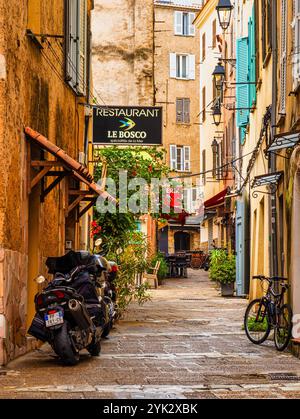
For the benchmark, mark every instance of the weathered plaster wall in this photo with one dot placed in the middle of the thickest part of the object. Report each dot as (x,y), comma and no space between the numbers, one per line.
(31,95)
(123,51)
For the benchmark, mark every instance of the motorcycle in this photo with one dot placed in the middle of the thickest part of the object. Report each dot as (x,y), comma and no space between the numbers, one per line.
(69,314)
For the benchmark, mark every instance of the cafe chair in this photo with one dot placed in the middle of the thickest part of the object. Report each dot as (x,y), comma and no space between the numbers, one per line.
(152,278)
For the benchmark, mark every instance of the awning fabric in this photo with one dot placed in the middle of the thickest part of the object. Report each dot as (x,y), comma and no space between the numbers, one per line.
(217,200)
(77,169)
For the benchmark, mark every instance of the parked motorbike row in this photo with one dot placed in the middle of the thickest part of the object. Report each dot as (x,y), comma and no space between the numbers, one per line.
(78,307)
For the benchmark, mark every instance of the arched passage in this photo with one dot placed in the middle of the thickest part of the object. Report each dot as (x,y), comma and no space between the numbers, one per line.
(182,241)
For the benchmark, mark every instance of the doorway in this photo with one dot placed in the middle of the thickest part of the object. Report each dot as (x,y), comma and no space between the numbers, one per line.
(182,242)
(295,246)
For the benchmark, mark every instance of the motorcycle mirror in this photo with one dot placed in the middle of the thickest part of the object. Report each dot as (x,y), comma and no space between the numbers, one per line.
(98,242)
(40,280)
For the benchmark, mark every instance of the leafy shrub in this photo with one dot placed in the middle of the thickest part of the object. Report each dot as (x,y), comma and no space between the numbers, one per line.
(222,267)
(164,269)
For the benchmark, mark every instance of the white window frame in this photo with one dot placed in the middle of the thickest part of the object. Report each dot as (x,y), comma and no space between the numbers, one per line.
(183,111)
(176,66)
(180,158)
(179,27)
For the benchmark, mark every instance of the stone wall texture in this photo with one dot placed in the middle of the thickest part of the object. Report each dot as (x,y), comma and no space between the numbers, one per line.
(33,93)
(123,51)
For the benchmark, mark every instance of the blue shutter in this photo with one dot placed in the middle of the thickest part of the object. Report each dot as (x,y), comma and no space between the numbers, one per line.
(242,90)
(252,60)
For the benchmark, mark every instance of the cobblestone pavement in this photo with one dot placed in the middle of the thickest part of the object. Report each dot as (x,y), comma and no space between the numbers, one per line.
(186,343)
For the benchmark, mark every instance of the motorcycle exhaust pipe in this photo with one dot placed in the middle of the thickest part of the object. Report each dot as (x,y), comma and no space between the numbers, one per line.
(80,315)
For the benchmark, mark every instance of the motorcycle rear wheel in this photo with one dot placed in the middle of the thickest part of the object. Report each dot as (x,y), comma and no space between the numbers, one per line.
(107,329)
(94,349)
(63,347)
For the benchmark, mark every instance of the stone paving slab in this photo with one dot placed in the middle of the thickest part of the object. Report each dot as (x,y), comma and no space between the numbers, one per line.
(187,342)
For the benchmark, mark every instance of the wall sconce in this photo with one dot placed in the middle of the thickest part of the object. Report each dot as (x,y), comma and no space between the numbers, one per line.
(217,113)
(224,10)
(219,76)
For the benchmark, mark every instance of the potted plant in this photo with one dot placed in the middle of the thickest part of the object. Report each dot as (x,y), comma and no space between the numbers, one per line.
(223,270)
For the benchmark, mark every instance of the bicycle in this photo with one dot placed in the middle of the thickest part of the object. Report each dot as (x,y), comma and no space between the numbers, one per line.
(270,312)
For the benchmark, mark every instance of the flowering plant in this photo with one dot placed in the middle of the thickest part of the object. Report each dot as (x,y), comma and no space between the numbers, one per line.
(95,229)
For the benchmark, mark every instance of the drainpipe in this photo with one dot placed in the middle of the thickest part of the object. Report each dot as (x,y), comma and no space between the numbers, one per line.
(273,166)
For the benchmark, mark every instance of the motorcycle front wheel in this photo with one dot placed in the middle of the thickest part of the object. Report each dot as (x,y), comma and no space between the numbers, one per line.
(63,346)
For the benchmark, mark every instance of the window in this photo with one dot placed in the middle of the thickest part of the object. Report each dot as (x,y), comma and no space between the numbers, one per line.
(183,24)
(34,16)
(296,51)
(203,104)
(214,34)
(266,28)
(204,167)
(182,66)
(180,158)
(183,111)
(283,58)
(76,44)
(203,47)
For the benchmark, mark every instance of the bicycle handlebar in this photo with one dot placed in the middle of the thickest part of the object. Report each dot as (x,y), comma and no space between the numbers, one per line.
(271,279)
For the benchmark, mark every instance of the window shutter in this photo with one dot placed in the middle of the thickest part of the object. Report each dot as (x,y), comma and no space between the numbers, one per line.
(192,69)
(242,90)
(283,58)
(82,47)
(296,52)
(252,60)
(179,110)
(191,26)
(173,65)
(178,23)
(186,111)
(203,169)
(72,43)
(173,157)
(187,158)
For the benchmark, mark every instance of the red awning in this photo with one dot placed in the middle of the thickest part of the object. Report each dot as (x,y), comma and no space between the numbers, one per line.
(217,200)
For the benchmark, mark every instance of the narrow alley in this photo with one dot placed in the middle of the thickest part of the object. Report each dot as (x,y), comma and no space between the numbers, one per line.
(187,342)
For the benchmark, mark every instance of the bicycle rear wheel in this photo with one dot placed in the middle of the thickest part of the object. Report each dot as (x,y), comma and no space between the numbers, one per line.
(256,322)
(283,329)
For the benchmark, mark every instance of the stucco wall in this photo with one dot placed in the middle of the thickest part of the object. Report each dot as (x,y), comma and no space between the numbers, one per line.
(123,51)
(31,95)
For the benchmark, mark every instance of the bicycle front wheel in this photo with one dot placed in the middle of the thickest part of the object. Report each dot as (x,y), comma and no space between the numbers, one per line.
(256,322)
(283,329)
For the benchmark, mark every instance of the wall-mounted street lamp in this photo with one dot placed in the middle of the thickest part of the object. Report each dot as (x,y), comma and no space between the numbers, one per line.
(219,76)
(224,10)
(217,113)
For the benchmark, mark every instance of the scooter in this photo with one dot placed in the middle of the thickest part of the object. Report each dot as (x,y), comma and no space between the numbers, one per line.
(69,314)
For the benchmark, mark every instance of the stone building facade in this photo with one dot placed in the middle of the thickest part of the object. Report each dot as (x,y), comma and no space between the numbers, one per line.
(123,51)
(41,88)
(176,72)
(123,62)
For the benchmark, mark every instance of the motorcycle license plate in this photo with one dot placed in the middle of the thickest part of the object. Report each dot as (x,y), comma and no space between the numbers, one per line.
(54,319)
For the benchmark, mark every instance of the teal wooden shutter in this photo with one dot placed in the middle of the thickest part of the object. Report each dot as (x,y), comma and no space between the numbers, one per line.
(252,60)
(242,90)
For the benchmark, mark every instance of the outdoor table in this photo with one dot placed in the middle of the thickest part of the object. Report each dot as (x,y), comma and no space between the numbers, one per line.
(178,264)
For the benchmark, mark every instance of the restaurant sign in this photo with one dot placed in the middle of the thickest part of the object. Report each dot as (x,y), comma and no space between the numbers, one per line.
(113,125)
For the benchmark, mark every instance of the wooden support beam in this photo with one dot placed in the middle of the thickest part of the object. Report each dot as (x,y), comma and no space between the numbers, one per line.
(40,176)
(79,192)
(53,185)
(74,205)
(46,163)
(86,209)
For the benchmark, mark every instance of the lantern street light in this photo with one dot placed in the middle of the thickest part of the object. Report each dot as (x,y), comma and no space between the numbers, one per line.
(224,9)
(219,76)
(217,113)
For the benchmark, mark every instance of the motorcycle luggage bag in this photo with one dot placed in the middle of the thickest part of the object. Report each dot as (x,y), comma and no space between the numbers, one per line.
(71,260)
(38,328)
